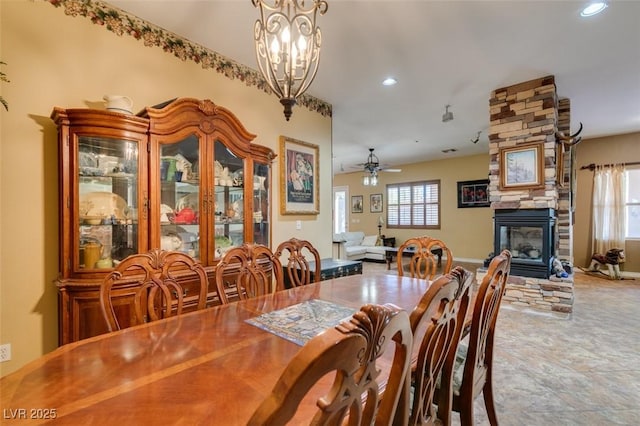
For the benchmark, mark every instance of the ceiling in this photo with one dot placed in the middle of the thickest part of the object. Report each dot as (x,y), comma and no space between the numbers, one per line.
(442,53)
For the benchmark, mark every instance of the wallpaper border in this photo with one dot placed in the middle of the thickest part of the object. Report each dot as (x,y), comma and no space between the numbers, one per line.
(122,23)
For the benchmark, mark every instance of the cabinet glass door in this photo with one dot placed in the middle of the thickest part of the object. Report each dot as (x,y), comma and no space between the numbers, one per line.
(229,199)
(180,196)
(261,214)
(108,179)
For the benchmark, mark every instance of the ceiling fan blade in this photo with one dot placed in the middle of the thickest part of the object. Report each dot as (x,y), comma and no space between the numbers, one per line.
(391,170)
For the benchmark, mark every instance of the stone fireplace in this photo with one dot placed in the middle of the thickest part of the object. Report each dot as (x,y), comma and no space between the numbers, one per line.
(529,235)
(533,221)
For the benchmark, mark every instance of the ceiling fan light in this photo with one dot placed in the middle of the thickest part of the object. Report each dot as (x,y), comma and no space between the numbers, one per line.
(371,169)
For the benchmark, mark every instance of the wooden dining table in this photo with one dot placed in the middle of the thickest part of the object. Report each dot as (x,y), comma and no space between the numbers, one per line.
(206,367)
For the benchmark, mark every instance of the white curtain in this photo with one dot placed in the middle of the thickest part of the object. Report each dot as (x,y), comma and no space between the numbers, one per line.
(608,208)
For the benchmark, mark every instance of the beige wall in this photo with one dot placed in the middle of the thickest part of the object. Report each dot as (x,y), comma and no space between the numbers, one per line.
(467,231)
(470,231)
(613,149)
(58,60)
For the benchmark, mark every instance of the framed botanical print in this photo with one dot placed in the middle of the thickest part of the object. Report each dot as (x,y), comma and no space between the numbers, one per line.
(473,193)
(299,179)
(522,167)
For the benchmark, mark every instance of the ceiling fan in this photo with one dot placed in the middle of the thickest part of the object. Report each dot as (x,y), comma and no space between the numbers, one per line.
(373,166)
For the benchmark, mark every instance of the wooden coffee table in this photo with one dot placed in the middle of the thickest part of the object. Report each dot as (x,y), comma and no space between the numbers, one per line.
(390,252)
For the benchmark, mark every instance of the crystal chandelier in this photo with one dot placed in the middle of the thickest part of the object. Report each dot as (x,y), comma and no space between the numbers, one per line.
(288,46)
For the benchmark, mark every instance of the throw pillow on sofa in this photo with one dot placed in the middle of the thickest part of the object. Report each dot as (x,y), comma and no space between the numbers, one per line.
(369,240)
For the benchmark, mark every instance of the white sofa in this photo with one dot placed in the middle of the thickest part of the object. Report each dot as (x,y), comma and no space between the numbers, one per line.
(357,246)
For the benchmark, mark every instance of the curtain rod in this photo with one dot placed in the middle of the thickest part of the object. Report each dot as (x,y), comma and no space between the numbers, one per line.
(592,166)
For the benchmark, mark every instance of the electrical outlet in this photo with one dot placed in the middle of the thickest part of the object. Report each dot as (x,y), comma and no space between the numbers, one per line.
(298,224)
(5,352)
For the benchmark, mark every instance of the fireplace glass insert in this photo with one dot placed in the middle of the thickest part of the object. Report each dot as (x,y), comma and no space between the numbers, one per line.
(529,235)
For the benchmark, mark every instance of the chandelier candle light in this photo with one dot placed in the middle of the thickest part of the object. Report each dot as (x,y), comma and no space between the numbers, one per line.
(288,46)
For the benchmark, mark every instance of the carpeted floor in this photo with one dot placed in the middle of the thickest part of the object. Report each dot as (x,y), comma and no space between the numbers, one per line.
(583,369)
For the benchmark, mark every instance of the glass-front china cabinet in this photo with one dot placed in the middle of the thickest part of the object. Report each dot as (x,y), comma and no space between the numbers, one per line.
(180,176)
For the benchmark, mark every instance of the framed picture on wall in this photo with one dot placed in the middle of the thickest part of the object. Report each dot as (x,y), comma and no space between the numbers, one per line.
(375,203)
(356,204)
(522,167)
(299,180)
(473,193)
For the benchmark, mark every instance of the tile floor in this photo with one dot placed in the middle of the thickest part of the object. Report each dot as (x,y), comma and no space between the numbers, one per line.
(581,369)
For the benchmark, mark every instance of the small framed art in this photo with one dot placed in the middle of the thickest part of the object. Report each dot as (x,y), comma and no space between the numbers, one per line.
(356,204)
(375,203)
(473,193)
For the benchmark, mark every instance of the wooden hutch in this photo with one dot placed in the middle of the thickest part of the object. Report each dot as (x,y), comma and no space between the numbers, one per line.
(180,176)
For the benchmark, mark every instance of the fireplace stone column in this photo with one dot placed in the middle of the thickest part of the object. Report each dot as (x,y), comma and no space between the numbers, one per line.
(524,114)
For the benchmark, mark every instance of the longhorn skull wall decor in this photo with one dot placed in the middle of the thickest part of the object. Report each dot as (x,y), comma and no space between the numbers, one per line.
(565,143)
(570,140)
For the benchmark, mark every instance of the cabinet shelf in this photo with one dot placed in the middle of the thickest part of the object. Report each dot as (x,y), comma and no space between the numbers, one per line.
(93,225)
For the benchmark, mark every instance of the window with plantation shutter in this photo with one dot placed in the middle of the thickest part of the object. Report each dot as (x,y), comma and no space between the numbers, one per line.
(414,205)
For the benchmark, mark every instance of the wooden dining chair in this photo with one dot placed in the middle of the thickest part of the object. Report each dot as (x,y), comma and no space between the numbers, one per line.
(297,269)
(424,262)
(473,368)
(247,271)
(158,282)
(437,322)
(347,353)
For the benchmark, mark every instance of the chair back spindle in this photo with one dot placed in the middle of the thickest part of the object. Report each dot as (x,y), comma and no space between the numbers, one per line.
(248,271)
(473,369)
(349,351)
(297,267)
(437,323)
(423,262)
(156,282)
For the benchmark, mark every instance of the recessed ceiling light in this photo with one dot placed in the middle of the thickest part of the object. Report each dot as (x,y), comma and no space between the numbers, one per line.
(389,81)
(593,8)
